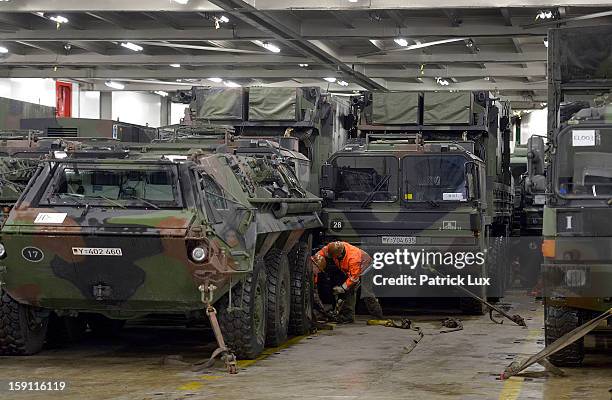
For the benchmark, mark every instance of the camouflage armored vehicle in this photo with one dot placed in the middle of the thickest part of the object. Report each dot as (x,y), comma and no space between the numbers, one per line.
(123,234)
(577,266)
(431,172)
(301,119)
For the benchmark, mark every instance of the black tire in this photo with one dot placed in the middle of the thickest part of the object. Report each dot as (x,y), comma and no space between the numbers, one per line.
(302,292)
(102,326)
(496,269)
(471,306)
(279,297)
(244,326)
(23,328)
(558,322)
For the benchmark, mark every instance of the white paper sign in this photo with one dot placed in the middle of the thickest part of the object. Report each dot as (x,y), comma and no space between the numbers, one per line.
(452,196)
(583,137)
(50,218)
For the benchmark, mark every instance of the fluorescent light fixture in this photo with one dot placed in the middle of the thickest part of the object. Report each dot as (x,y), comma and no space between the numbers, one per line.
(353,1)
(442,81)
(181,1)
(268,46)
(401,41)
(60,19)
(330,80)
(230,84)
(131,46)
(216,80)
(545,14)
(343,83)
(3,49)
(115,85)
(546,43)
(303,65)
(224,19)
(161,93)
(175,65)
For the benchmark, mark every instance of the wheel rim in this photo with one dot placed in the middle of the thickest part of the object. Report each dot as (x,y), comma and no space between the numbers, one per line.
(259,314)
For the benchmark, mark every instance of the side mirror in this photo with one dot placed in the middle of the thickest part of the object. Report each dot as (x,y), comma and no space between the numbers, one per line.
(328,176)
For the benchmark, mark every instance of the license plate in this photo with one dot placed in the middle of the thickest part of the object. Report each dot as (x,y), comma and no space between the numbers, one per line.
(97,251)
(399,240)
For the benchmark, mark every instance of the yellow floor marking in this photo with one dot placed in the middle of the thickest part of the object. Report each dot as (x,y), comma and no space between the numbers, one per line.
(191,386)
(195,385)
(268,352)
(513,386)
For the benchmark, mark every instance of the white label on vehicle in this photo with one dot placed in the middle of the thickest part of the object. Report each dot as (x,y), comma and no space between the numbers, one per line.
(398,240)
(539,199)
(583,137)
(452,196)
(50,218)
(97,251)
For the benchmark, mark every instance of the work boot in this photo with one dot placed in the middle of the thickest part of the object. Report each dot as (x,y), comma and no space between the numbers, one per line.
(373,306)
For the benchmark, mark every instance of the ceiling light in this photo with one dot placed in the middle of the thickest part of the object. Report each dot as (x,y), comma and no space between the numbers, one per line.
(216,80)
(224,19)
(353,1)
(131,46)
(115,85)
(181,1)
(343,83)
(268,46)
(161,93)
(546,42)
(230,84)
(175,65)
(330,80)
(401,41)
(545,14)
(442,82)
(60,19)
(3,49)
(303,65)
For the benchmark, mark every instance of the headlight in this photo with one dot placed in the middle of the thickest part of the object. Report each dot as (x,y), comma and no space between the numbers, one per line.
(2,251)
(198,254)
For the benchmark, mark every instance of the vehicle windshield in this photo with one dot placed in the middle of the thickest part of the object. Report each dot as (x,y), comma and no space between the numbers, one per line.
(114,185)
(366,178)
(434,178)
(584,162)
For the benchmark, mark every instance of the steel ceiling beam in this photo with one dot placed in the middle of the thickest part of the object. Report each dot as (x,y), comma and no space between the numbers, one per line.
(292,38)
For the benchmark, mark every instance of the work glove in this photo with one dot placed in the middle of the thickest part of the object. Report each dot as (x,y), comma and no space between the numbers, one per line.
(338,290)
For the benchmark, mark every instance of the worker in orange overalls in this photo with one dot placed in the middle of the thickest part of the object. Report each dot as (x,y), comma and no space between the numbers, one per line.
(354,262)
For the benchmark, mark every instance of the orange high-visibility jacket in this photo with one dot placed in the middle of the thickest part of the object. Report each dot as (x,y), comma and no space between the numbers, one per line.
(355,261)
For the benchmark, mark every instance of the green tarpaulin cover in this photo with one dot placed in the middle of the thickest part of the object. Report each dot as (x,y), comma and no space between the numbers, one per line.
(447,108)
(219,103)
(395,108)
(270,103)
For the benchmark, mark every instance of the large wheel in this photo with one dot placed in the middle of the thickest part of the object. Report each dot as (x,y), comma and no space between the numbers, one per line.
(244,326)
(496,270)
(279,297)
(558,322)
(302,292)
(23,328)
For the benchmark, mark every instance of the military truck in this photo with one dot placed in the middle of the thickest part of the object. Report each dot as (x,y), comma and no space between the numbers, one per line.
(86,128)
(528,170)
(577,266)
(110,235)
(301,119)
(430,172)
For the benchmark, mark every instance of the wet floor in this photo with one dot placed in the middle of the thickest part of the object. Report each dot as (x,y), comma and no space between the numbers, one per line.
(350,362)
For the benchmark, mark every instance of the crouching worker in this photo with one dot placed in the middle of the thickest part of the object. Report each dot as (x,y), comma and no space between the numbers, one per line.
(354,262)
